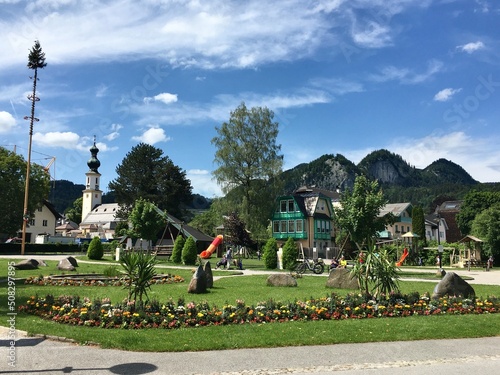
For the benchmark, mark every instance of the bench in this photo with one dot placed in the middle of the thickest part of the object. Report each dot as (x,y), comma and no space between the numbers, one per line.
(163,252)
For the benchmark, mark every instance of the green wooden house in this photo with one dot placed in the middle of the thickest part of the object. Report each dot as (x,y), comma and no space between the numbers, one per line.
(306,215)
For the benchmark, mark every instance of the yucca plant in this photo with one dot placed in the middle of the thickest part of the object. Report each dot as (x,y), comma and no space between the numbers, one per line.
(139,269)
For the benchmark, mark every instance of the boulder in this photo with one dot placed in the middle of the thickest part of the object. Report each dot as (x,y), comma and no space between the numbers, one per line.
(41,263)
(281,279)
(453,285)
(27,264)
(198,283)
(210,277)
(341,278)
(73,261)
(65,265)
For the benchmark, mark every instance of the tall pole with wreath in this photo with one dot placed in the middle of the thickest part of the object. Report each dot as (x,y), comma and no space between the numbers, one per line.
(36,60)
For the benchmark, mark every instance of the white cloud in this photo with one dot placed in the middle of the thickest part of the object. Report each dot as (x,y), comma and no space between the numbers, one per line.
(372,35)
(471,47)
(446,94)
(7,122)
(152,136)
(101,91)
(67,140)
(209,35)
(337,86)
(115,132)
(165,98)
(203,183)
(406,76)
(219,109)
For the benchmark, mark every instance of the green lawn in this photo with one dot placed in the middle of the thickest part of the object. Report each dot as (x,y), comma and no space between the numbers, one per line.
(251,289)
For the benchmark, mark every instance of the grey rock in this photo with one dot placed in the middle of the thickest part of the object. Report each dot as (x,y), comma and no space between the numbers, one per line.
(65,265)
(198,283)
(210,277)
(281,279)
(27,264)
(341,278)
(73,261)
(453,285)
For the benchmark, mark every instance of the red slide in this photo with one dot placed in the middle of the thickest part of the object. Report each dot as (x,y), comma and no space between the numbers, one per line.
(205,254)
(403,257)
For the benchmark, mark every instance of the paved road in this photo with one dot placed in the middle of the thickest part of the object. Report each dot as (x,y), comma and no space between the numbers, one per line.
(34,355)
(464,356)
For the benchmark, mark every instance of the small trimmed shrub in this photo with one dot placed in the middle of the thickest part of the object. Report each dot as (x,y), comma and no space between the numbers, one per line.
(189,252)
(96,250)
(177,250)
(269,254)
(289,255)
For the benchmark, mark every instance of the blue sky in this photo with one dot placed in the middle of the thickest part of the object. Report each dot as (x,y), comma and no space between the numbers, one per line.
(420,78)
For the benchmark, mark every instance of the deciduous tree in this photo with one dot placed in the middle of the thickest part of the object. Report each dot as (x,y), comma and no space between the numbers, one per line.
(248,159)
(358,215)
(473,204)
(74,213)
(146,220)
(486,226)
(12,185)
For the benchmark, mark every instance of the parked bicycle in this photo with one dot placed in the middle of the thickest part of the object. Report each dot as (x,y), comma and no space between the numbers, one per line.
(316,266)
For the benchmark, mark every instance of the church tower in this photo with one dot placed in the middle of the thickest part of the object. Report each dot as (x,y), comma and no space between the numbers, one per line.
(92,196)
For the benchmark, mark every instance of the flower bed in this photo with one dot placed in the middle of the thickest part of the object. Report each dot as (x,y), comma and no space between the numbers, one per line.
(96,280)
(170,315)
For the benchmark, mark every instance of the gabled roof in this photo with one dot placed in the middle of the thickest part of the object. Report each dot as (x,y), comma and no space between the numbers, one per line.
(395,208)
(187,230)
(52,209)
(470,238)
(102,214)
(307,198)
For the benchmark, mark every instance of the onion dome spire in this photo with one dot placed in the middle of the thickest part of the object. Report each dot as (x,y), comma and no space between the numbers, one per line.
(93,162)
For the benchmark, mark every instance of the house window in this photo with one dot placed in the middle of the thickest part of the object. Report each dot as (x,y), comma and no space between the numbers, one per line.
(32,222)
(298,226)
(40,209)
(396,228)
(291,206)
(291,226)
(276,226)
(44,223)
(283,226)
(283,206)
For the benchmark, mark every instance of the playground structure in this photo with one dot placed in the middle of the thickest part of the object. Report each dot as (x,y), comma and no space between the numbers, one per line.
(205,254)
(469,254)
(403,257)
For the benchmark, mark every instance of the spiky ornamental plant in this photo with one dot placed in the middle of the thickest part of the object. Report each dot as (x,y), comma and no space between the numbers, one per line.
(36,60)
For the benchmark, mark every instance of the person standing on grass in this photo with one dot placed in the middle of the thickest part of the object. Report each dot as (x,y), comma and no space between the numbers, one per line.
(229,257)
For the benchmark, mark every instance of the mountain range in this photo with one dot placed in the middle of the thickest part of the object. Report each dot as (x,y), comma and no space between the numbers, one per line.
(441,180)
(401,182)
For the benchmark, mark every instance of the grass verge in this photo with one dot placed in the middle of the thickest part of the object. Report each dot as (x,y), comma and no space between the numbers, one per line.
(251,289)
